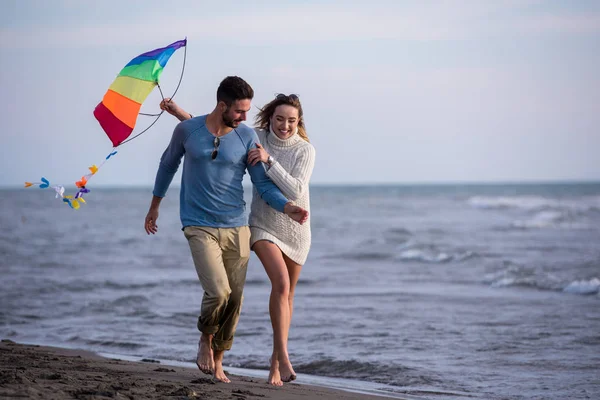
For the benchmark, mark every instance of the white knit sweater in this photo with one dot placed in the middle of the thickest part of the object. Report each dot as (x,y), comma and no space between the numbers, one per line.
(294,162)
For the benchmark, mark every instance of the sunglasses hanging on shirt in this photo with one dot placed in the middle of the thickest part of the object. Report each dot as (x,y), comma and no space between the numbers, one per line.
(215,152)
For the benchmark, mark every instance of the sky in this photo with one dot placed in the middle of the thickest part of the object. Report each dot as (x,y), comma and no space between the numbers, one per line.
(393,91)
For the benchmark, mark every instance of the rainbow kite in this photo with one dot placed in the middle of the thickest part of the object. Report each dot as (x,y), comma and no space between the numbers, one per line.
(118,111)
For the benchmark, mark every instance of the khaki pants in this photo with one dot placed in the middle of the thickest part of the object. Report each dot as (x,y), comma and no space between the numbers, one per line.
(221,258)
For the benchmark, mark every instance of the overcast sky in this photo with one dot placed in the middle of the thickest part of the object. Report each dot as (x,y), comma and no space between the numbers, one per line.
(393,91)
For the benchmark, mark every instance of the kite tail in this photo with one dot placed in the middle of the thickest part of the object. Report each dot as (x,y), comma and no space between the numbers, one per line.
(73,201)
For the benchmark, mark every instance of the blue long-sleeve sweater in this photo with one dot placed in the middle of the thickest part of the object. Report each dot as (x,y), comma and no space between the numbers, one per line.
(211,190)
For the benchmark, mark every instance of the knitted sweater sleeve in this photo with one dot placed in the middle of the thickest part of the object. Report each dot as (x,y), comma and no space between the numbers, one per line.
(294,183)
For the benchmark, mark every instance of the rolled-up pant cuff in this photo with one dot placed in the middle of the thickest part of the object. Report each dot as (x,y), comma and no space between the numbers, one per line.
(221,345)
(209,330)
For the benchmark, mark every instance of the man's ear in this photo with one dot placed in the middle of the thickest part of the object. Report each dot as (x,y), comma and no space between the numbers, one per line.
(222,106)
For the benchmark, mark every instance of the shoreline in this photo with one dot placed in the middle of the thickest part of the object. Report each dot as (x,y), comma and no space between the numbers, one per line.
(45,372)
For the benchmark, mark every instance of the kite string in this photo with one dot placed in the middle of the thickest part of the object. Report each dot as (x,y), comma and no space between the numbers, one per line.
(152,115)
(163,97)
(112,153)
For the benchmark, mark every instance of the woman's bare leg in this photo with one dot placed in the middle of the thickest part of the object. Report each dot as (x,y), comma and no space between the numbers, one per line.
(293,276)
(279,308)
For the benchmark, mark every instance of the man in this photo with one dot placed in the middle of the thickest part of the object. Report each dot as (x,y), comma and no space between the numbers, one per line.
(212,210)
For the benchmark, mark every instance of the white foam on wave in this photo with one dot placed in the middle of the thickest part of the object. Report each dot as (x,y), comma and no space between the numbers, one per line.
(517,275)
(431,255)
(553,220)
(425,256)
(508,282)
(542,212)
(524,202)
(543,219)
(581,204)
(591,286)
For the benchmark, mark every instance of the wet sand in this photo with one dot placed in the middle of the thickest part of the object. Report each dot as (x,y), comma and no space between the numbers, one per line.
(38,372)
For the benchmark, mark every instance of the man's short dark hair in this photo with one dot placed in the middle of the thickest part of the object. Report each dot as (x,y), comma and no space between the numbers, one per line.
(234,88)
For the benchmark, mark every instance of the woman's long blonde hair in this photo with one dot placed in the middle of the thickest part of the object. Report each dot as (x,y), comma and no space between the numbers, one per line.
(263,118)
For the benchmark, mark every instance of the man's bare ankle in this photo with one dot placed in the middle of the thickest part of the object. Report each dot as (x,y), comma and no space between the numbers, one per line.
(205,338)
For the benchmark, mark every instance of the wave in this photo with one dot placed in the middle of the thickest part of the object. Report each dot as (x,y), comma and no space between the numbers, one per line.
(388,373)
(400,245)
(418,253)
(392,374)
(132,300)
(591,286)
(554,219)
(543,219)
(364,256)
(149,285)
(77,286)
(524,202)
(542,212)
(520,276)
(582,204)
(111,344)
(434,256)
(424,256)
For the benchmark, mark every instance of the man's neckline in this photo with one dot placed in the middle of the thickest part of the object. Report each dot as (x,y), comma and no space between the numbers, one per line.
(214,134)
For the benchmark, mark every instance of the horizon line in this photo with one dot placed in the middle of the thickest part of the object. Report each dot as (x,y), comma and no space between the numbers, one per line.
(371,184)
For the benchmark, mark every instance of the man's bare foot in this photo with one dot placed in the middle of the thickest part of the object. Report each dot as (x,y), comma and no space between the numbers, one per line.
(286,371)
(274,376)
(219,373)
(205,357)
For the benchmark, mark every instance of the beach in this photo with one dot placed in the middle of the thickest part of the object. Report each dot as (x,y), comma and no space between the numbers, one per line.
(40,372)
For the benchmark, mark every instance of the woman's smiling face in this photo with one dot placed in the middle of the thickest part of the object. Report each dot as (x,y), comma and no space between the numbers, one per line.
(284,121)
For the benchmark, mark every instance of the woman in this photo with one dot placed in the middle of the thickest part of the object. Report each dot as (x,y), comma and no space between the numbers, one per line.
(281,245)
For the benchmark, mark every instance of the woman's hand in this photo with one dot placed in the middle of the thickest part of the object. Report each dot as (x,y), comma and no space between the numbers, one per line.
(258,154)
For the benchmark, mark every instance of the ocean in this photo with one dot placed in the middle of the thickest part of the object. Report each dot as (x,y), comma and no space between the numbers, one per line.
(415,291)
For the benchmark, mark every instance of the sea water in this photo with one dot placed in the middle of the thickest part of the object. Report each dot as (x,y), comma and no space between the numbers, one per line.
(433,291)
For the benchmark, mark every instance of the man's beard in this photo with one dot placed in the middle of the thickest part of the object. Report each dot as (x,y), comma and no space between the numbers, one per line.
(230,122)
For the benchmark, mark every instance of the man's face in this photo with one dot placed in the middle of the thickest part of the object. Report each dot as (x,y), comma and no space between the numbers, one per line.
(235,114)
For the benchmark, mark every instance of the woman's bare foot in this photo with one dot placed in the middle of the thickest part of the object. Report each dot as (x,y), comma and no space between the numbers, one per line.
(219,373)
(286,371)
(274,376)
(205,356)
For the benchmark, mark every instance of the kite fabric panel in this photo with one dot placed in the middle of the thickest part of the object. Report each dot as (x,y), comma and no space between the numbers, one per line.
(119,109)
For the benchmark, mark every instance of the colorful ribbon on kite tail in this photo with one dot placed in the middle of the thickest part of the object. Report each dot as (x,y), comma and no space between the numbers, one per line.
(73,201)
